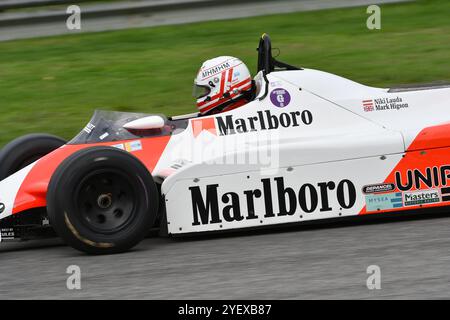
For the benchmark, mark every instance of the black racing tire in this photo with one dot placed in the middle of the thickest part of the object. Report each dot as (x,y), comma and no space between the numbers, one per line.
(25,150)
(102,200)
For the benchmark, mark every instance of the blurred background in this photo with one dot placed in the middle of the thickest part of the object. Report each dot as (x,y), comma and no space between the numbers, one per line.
(143,55)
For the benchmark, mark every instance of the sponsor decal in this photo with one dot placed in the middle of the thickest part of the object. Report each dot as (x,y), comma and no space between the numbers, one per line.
(368,105)
(211,206)
(378,188)
(215,70)
(119,146)
(133,146)
(129,146)
(421,197)
(206,124)
(381,104)
(386,201)
(103,136)
(263,120)
(280,97)
(178,164)
(2,207)
(89,127)
(429,178)
(7,234)
(275,84)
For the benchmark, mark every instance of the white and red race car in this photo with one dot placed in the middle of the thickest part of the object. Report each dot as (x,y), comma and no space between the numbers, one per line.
(311,146)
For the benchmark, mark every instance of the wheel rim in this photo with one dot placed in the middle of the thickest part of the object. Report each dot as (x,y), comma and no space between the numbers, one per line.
(106,201)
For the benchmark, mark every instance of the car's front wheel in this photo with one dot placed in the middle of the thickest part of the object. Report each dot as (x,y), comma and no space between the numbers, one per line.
(25,150)
(102,200)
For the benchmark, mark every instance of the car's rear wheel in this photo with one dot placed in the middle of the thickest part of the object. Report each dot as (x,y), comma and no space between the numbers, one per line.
(102,200)
(25,150)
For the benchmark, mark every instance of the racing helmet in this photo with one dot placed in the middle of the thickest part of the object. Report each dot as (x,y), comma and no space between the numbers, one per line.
(223,83)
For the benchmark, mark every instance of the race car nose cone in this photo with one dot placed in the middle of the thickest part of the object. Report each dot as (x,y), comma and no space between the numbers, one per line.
(104,201)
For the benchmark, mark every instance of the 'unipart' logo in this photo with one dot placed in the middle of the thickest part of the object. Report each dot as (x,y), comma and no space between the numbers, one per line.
(263,120)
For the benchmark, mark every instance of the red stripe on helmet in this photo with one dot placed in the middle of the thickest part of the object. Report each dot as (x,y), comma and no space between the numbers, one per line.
(203,103)
(232,95)
(230,75)
(222,83)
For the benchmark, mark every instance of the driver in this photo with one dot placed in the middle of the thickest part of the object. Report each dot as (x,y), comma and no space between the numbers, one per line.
(222,84)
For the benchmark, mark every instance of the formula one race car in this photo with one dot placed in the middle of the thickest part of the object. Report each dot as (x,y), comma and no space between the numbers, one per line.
(311,146)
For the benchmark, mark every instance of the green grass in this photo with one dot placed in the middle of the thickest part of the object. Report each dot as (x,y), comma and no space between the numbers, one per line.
(54,84)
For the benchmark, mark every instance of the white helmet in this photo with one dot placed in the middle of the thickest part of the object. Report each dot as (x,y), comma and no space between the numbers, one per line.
(221,84)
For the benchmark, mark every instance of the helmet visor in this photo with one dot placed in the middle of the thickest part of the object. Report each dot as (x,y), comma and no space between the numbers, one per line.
(200,91)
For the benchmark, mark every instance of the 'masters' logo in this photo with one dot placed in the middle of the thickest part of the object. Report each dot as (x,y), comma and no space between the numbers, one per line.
(421,197)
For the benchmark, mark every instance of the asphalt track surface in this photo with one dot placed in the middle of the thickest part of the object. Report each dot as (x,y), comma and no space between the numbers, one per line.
(320,262)
(185,15)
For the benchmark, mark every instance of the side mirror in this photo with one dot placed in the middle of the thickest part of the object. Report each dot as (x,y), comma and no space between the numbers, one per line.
(146,123)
